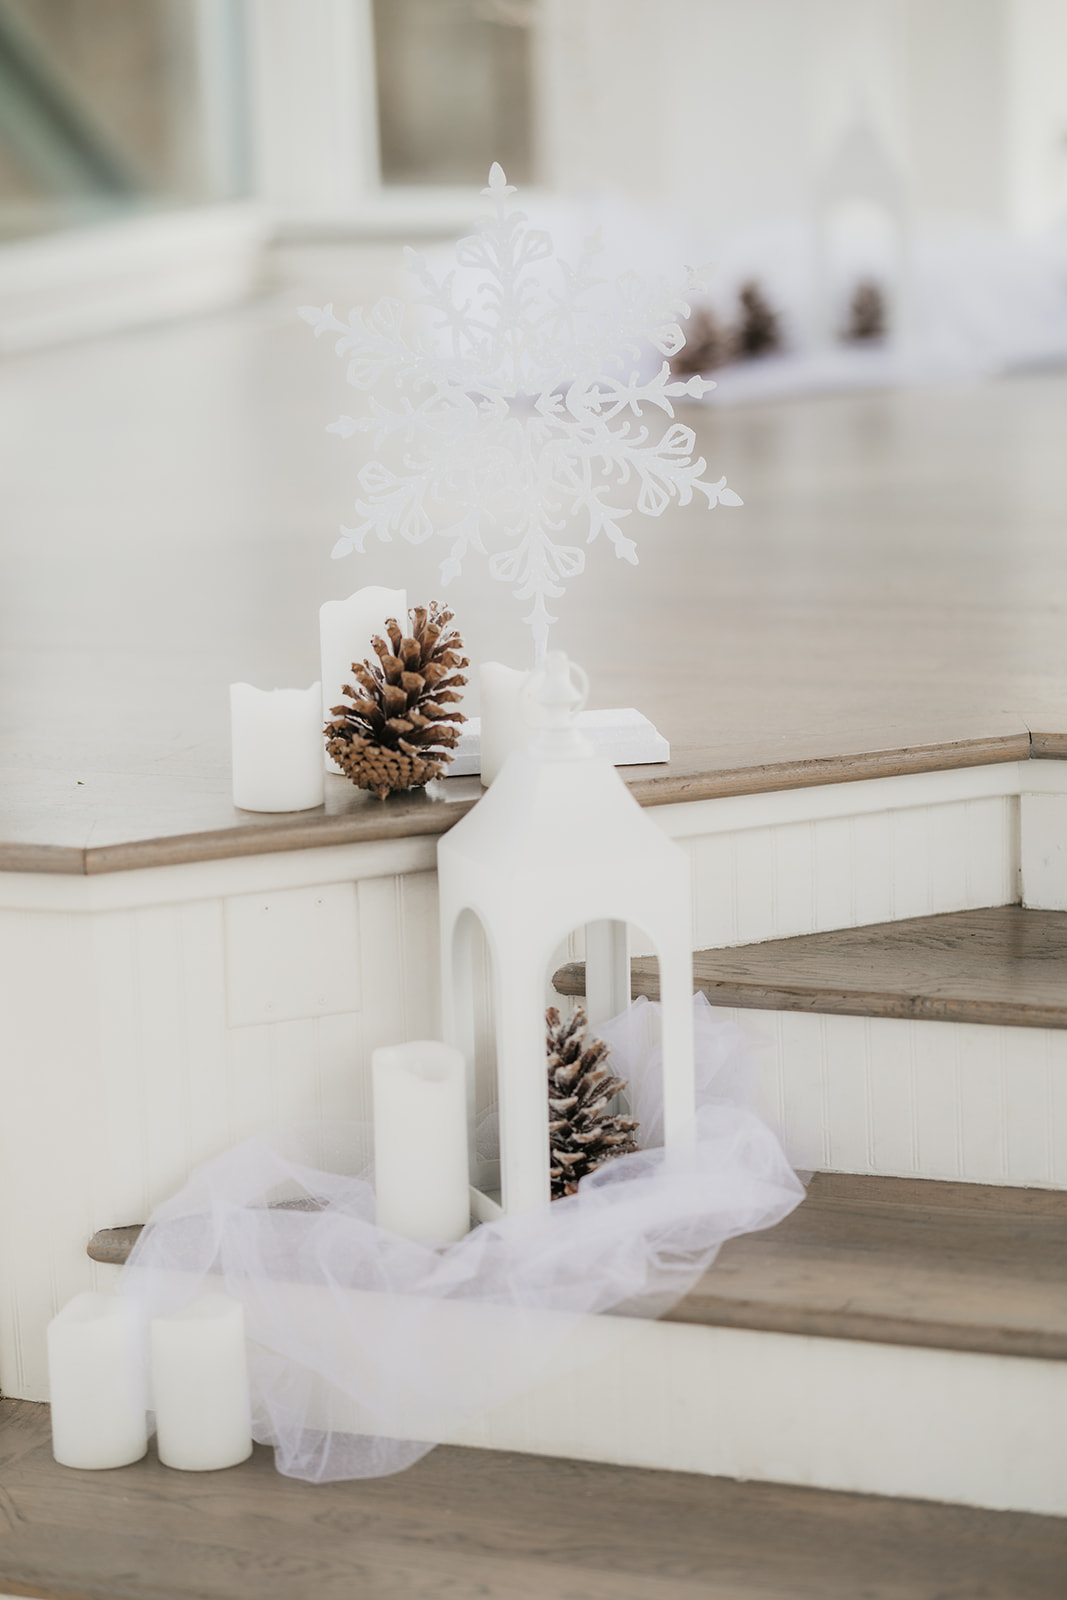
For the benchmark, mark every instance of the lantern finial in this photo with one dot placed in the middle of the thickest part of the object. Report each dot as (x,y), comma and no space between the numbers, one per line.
(553,696)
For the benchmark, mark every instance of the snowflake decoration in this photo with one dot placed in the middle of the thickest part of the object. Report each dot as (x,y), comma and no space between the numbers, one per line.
(516,408)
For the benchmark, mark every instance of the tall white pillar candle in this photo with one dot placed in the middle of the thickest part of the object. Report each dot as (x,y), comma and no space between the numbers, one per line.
(504,724)
(278,742)
(200,1385)
(346,628)
(97,1381)
(421,1175)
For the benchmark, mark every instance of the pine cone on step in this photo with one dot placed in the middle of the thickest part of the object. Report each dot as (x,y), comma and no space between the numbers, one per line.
(757,332)
(866,313)
(706,345)
(583,1133)
(399,729)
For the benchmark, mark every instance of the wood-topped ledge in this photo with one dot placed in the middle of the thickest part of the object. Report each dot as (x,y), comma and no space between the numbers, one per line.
(351,816)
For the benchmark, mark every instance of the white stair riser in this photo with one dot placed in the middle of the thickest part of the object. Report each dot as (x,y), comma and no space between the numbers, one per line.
(956,1426)
(905,1098)
(840,1414)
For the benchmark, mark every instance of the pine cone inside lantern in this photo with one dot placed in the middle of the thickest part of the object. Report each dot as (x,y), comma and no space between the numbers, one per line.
(583,1132)
(399,726)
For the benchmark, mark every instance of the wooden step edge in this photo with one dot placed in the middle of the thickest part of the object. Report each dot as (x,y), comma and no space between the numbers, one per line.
(936,1196)
(998,966)
(113,1245)
(712,1311)
(570,980)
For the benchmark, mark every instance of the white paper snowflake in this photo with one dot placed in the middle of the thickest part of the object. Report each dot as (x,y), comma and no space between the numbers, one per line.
(516,407)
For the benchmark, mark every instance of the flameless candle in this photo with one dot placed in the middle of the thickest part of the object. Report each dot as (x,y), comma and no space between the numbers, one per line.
(346,628)
(504,727)
(420,1140)
(200,1385)
(277,748)
(96,1375)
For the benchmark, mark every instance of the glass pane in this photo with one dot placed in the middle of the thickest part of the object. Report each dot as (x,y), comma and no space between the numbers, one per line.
(453,89)
(108,105)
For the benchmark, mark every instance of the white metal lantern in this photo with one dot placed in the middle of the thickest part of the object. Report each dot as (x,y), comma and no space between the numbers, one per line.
(557,843)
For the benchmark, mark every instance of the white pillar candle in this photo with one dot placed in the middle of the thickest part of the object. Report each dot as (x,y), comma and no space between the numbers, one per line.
(504,724)
(97,1382)
(200,1385)
(278,742)
(346,628)
(421,1175)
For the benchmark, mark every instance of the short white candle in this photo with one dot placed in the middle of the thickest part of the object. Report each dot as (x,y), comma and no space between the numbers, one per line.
(278,741)
(504,724)
(200,1385)
(421,1176)
(346,628)
(97,1382)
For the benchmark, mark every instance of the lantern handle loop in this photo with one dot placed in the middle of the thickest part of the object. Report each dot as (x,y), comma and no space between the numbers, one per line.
(555,692)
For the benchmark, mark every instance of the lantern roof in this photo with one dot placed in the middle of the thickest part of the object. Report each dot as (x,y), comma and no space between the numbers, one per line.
(556,807)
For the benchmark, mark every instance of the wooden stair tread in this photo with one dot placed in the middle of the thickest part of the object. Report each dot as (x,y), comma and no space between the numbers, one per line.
(497,1524)
(955,1266)
(1004,965)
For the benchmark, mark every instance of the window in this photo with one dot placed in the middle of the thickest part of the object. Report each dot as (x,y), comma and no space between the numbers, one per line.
(453,82)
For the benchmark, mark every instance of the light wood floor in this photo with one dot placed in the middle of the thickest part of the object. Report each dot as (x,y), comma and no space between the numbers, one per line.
(896,578)
(479,1525)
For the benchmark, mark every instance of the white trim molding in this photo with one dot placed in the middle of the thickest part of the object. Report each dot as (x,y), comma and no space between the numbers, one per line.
(134,270)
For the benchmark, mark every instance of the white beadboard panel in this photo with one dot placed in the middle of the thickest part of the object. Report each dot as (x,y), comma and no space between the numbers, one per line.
(754,882)
(1029,1109)
(779,881)
(910,842)
(832,845)
(280,1074)
(871,869)
(400,960)
(937,1099)
(982,1069)
(293,953)
(49,1131)
(795,884)
(691,818)
(343,1089)
(160,975)
(907,1098)
(293,1072)
(891,1090)
(800,1105)
(1044,849)
(842,1414)
(993,851)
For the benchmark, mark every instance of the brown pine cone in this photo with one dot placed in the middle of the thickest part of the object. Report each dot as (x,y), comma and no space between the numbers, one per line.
(399,729)
(583,1132)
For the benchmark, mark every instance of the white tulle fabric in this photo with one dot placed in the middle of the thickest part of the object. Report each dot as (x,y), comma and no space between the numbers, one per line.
(367,1349)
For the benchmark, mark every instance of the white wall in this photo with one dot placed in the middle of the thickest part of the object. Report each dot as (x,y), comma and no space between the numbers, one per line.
(729,109)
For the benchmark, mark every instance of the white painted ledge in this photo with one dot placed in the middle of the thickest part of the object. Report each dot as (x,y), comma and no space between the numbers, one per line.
(100,279)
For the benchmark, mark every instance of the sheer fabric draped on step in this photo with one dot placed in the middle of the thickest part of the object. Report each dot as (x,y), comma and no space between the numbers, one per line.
(367,1349)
